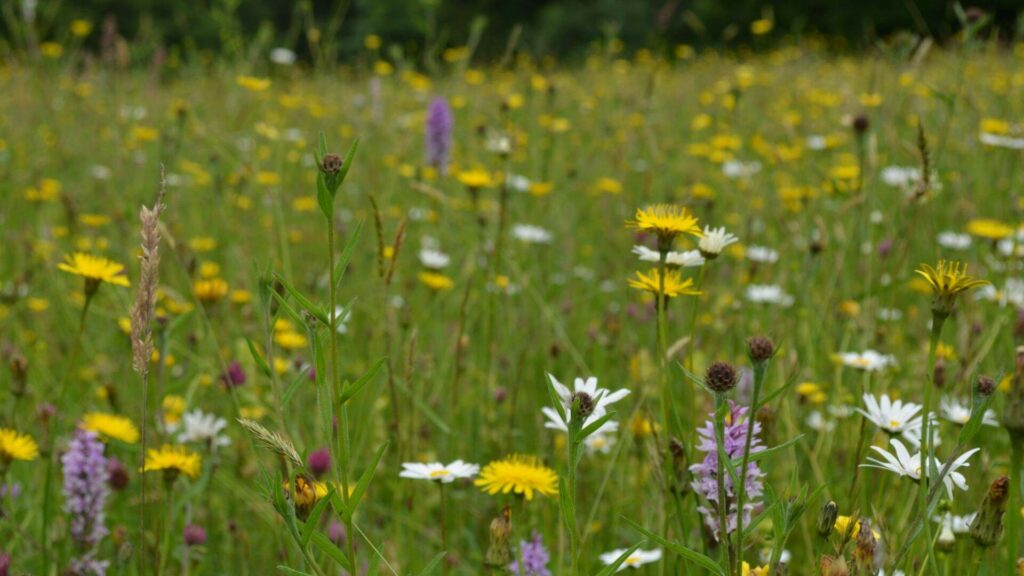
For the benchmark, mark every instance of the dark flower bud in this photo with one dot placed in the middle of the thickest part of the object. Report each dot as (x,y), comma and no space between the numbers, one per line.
(19,374)
(720,377)
(986,386)
(331,164)
(827,519)
(861,124)
(5,564)
(117,474)
(939,373)
(319,462)
(234,375)
(500,394)
(194,535)
(760,348)
(987,526)
(582,406)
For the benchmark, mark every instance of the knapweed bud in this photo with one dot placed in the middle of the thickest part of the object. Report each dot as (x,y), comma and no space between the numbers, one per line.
(331,164)
(499,553)
(864,551)
(720,377)
(939,373)
(834,566)
(987,526)
(861,124)
(319,462)
(760,348)
(117,474)
(582,406)
(827,519)
(194,535)
(986,385)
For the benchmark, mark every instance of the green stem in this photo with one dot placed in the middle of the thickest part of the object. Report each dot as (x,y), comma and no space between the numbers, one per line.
(926,444)
(444,530)
(760,368)
(1016,500)
(722,503)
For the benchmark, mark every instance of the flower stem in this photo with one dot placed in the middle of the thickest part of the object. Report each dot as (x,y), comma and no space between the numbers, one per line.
(760,368)
(926,445)
(722,501)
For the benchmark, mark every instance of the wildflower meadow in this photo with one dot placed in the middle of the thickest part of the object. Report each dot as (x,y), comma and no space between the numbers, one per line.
(736,311)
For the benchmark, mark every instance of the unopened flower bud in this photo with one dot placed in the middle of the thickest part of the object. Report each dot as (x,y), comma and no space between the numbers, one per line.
(861,124)
(834,566)
(939,373)
(720,377)
(499,553)
(827,519)
(1013,410)
(864,551)
(986,386)
(987,526)
(760,348)
(331,164)
(947,539)
(582,406)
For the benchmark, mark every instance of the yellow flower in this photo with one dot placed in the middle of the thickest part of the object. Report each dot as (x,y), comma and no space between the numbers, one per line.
(666,220)
(988,228)
(172,460)
(81,28)
(306,492)
(17,446)
(520,474)
(947,280)
(94,269)
(253,83)
(173,407)
(211,290)
(760,28)
(674,283)
(290,340)
(372,42)
(476,178)
(755,571)
(436,281)
(111,426)
(811,392)
(51,49)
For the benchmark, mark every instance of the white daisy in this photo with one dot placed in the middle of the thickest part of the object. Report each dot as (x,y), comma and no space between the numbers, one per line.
(531,234)
(518,182)
(904,463)
(736,169)
(434,259)
(601,396)
(282,56)
(868,360)
(438,471)
(1000,141)
(1012,293)
(958,524)
(715,240)
(817,422)
(634,560)
(900,176)
(957,411)
(953,240)
(816,142)
(893,417)
(769,294)
(203,428)
(762,254)
(601,440)
(688,259)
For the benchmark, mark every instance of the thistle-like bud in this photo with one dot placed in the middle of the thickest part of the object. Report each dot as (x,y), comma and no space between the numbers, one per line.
(827,519)
(331,164)
(939,373)
(499,553)
(582,406)
(986,386)
(861,124)
(720,377)
(760,349)
(19,374)
(987,526)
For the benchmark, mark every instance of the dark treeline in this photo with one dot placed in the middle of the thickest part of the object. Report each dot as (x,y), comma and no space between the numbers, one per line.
(561,28)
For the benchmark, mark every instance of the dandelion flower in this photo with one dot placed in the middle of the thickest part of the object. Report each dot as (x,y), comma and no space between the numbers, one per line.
(439,472)
(519,474)
(948,280)
(95,270)
(17,446)
(667,221)
(172,460)
(306,493)
(435,281)
(476,178)
(111,426)
(210,291)
(674,283)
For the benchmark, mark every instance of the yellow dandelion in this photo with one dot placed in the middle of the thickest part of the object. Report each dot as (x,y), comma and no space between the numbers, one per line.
(989,228)
(520,474)
(665,220)
(290,340)
(17,446)
(95,270)
(172,460)
(674,285)
(173,406)
(253,83)
(209,291)
(111,426)
(435,281)
(476,178)
(948,280)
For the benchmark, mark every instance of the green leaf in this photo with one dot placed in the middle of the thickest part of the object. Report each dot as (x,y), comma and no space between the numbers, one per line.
(294,386)
(346,253)
(614,566)
(314,518)
(680,550)
(323,195)
(347,165)
(364,482)
(324,544)
(352,389)
(261,363)
(595,425)
(292,571)
(556,400)
(433,564)
(306,303)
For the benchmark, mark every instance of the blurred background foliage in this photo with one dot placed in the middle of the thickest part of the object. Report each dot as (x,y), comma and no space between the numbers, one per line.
(419,31)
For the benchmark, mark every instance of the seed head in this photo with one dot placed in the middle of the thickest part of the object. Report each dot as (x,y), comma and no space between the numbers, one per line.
(582,406)
(720,377)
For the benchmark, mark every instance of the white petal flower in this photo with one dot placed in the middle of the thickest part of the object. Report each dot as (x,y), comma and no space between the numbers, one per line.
(434,259)
(868,360)
(958,412)
(895,417)
(769,294)
(715,240)
(634,560)
(531,234)
(437,471)
(688,259)
(762,254)
(203,428)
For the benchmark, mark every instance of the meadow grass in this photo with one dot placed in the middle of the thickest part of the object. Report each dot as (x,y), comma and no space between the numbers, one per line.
(468,249)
